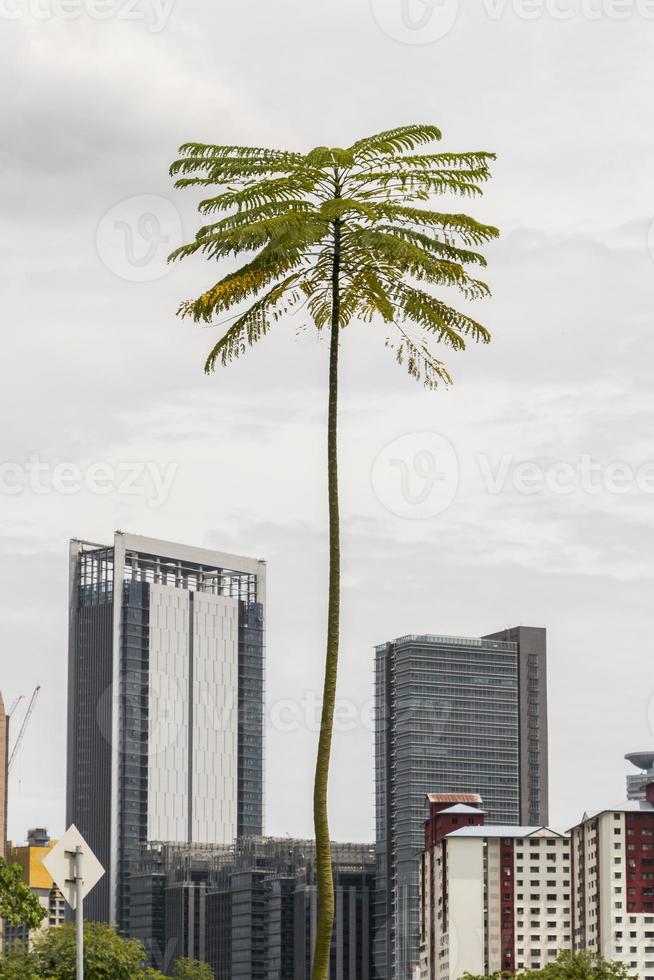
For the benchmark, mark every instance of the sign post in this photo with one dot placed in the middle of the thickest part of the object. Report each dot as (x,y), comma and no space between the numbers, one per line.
(75,870)
(79,910)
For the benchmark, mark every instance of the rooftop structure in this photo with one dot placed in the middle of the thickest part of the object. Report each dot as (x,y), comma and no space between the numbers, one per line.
(637,782)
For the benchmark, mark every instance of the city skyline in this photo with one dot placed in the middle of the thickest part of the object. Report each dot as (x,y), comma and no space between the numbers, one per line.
(185,615)
(565,377)
(20,824)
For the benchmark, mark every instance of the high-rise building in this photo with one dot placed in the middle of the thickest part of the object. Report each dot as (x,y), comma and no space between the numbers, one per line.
(613,884)
(453,714)
(30,857)
(4,779)
(165,702)
(492,899)
(4,759)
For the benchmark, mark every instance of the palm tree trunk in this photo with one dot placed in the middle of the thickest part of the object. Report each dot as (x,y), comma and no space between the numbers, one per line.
(320,970)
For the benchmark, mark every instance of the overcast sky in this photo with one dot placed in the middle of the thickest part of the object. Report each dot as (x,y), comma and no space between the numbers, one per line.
(445,529)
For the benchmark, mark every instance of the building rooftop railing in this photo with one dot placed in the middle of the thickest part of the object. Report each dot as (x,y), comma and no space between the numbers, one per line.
(461,641)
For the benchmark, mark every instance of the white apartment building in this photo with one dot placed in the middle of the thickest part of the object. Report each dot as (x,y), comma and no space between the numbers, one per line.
(492,897)
(509,899)
(613,884)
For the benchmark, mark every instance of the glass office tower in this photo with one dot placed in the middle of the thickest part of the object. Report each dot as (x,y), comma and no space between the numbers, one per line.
(453,714)
(165,702)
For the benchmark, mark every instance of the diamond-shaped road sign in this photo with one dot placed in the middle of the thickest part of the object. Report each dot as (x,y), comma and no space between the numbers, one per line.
(60,865)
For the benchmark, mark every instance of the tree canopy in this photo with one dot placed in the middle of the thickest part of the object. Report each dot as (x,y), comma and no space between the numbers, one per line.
(299,219)
(17,964)
(18,905)
(107,955)
(185,969)
(571,966)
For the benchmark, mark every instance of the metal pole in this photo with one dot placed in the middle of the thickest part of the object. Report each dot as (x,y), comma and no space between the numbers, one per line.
(79,911)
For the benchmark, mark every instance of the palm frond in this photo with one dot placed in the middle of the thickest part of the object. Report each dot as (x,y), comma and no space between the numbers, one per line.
(409,259)
(393,141)
(420,361)
(285,230)
(255,323)
(258,193)
(270,265)
(470,232)
(450,326)
(434,245)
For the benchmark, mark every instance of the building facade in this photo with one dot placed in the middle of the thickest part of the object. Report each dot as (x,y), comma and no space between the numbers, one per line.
(250,910)
(354,889)
(453,714)
(4,760)
(4,781)
(512,898)
(613,884)
(30,859)
(492,898)
(165,702)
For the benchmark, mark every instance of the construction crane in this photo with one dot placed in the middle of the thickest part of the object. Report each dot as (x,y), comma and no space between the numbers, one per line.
(15,705)
(28,715)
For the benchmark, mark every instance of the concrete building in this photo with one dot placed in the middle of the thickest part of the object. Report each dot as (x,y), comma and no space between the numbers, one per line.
(613,884)
(453,714)
(165,702)
(4,760)
(511,898)
(4,781)
(492,898)
(30,858)
(250,910)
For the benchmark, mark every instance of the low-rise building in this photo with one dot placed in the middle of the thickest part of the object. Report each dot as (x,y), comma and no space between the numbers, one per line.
(30,858)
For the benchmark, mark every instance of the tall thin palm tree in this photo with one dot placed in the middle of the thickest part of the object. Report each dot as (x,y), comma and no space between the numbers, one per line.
(345,234)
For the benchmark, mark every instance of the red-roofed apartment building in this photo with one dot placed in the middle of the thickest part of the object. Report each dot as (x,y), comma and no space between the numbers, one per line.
(492,897)
(511,898)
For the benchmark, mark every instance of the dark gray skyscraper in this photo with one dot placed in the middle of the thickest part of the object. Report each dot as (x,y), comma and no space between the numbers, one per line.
(165,702)
(453,714)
